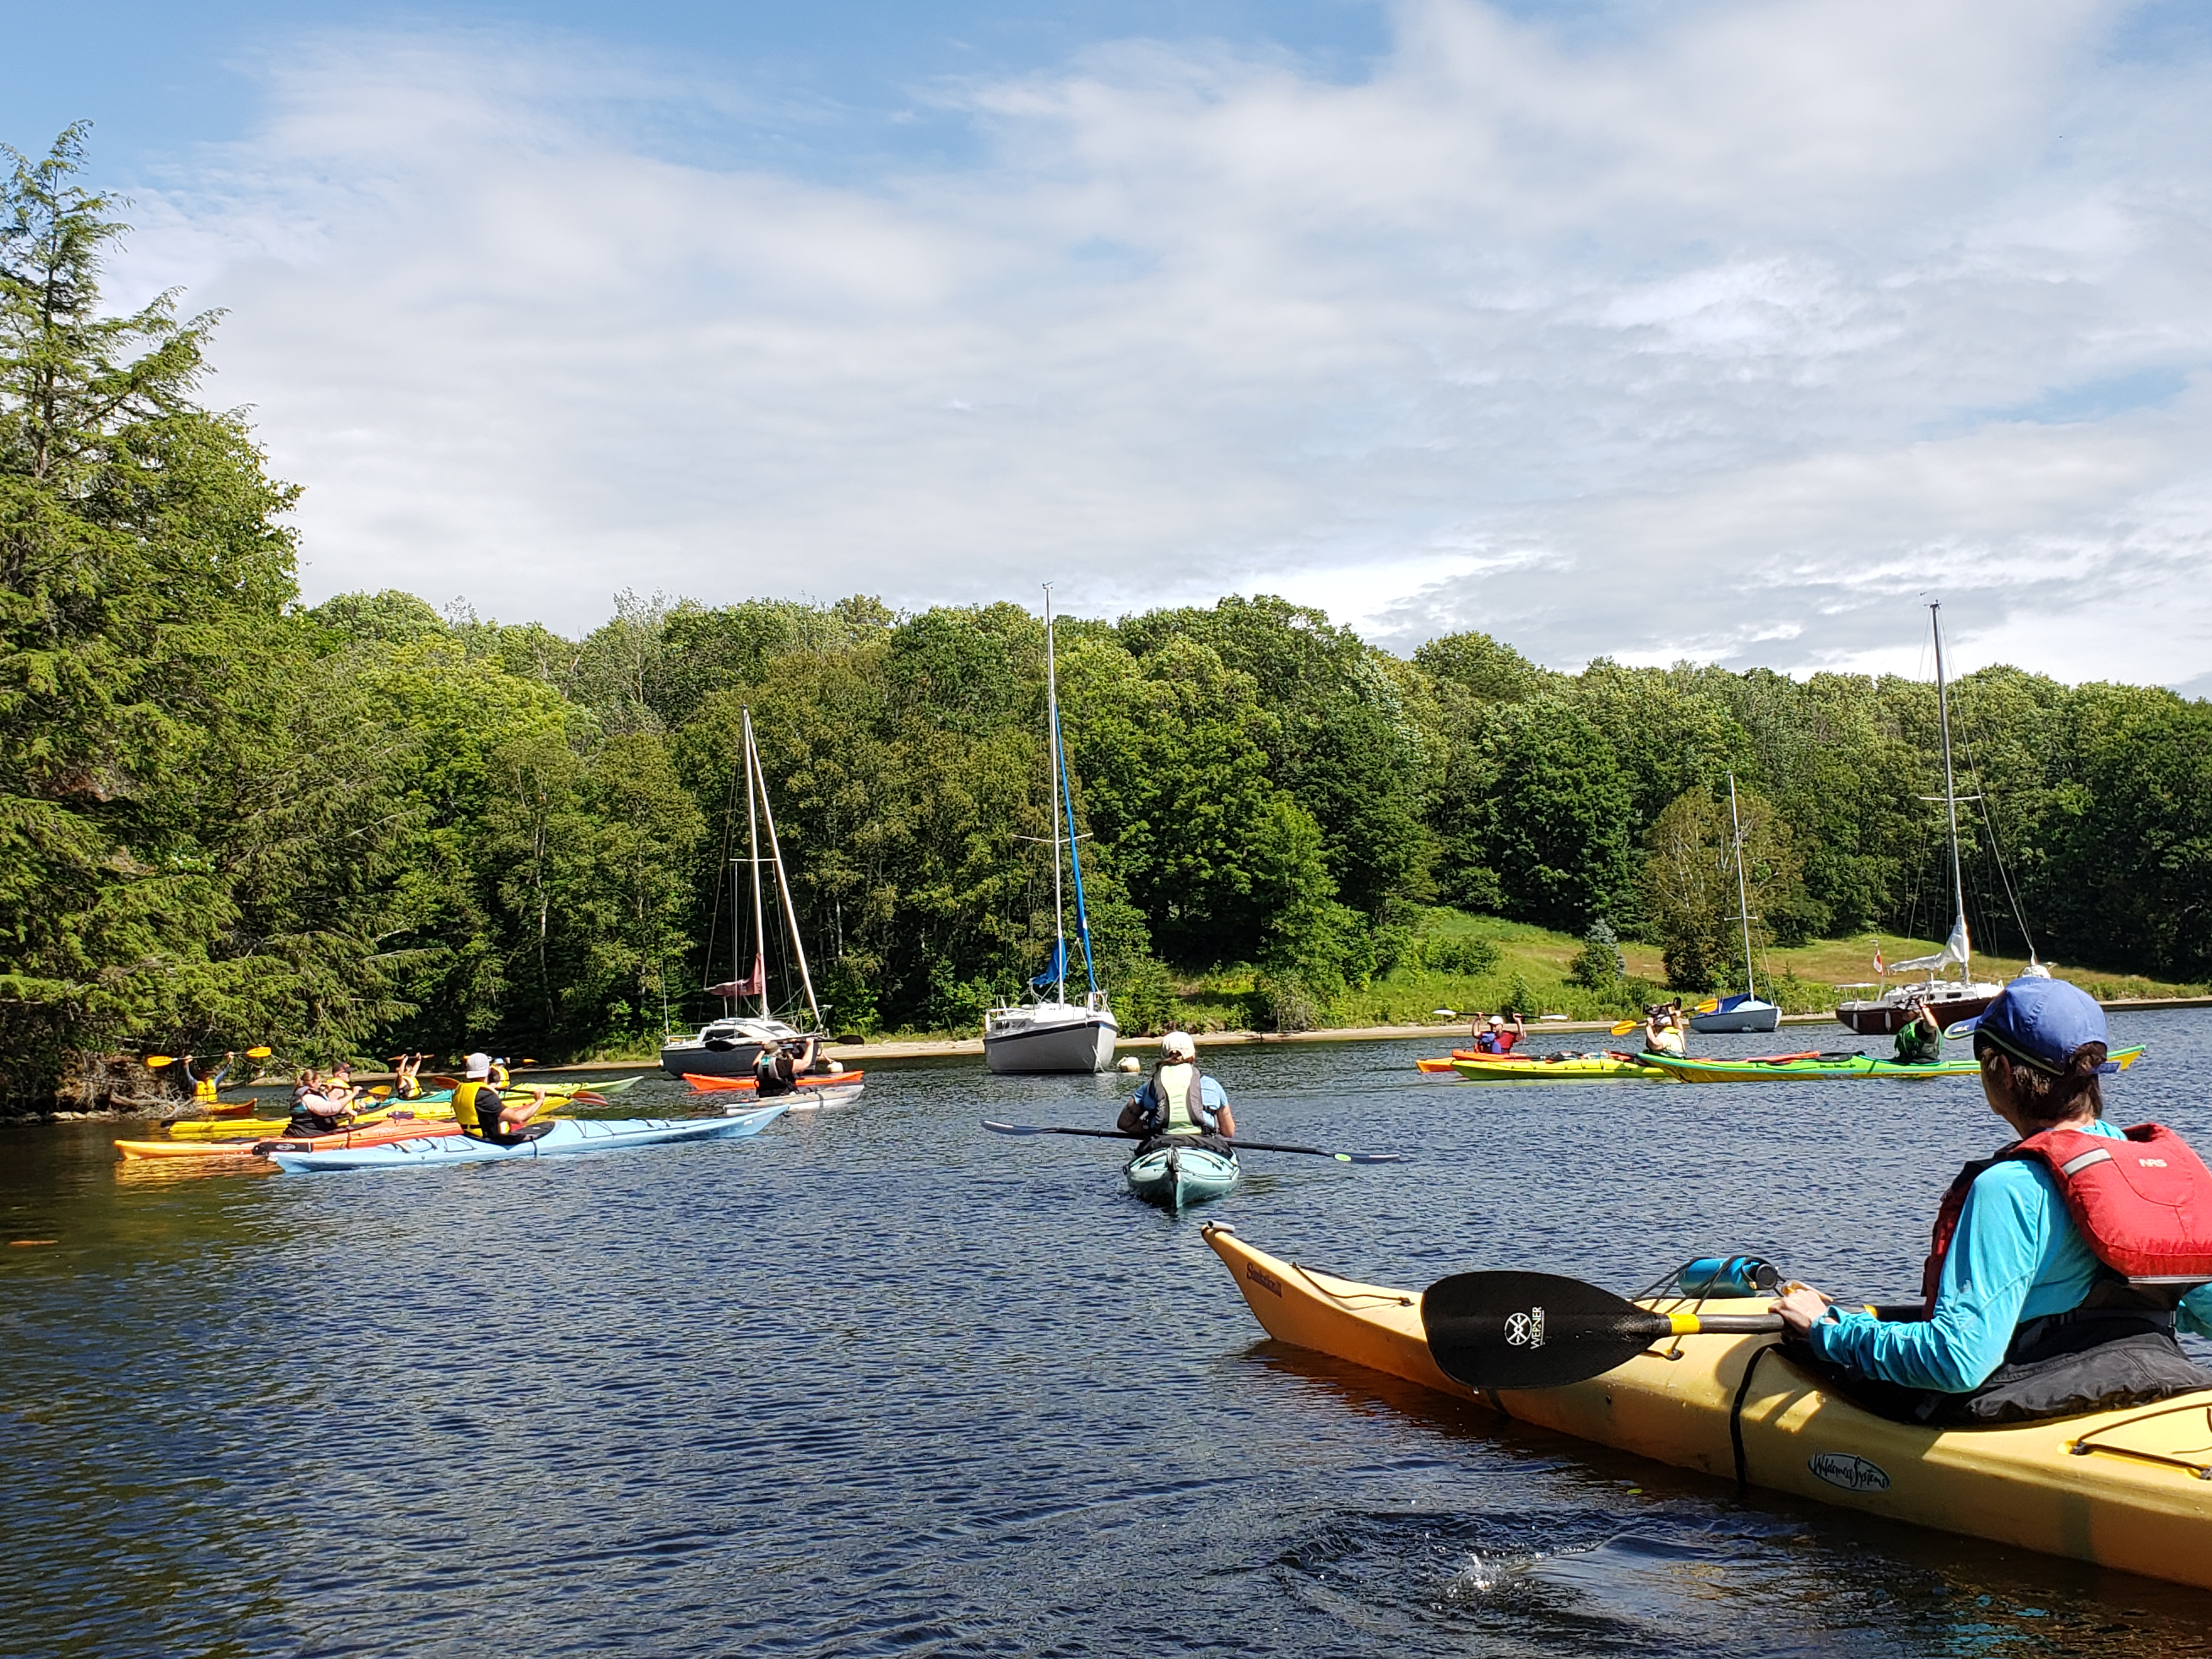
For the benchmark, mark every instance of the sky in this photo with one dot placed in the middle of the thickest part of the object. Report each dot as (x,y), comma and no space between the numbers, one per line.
(1707,329)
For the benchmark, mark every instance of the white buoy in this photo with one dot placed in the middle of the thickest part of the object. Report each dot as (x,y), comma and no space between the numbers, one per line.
(1130,1063)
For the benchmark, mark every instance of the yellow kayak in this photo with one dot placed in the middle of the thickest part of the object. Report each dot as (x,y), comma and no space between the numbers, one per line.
(437,1108)
(2128,1489)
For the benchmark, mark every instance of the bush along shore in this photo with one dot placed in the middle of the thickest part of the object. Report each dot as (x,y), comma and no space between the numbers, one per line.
(367,825)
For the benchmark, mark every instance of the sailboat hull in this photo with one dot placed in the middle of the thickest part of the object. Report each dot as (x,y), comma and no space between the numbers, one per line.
(724,1049)
(1045,1039)
(1764,1017)
(1887,1016)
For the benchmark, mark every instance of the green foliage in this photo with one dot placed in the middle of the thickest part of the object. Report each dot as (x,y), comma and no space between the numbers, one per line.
(1691,895)
(1599,965)
(226,819)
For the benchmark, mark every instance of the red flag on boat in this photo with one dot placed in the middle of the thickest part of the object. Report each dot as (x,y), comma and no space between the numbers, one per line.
(1878,969)
(750,986)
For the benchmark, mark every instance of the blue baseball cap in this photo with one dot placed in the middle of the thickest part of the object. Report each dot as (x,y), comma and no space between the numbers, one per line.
(2041,1021)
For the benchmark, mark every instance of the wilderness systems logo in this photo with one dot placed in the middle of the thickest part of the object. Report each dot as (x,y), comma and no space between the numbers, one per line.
(1851,1474)
(1526,1330)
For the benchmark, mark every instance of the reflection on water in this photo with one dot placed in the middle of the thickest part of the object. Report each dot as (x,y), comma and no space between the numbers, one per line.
(880,1381)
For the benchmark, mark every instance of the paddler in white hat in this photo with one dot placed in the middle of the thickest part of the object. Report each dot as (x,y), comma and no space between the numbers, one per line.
(1178,1099)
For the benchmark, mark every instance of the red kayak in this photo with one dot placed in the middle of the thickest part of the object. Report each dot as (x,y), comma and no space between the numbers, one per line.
(811,1080)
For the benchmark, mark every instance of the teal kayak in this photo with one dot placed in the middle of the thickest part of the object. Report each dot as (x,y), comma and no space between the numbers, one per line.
(1826,1066)
(555,1139)
(1176,1176)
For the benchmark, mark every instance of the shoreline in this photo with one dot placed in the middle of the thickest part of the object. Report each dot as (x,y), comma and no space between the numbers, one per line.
(940,1047)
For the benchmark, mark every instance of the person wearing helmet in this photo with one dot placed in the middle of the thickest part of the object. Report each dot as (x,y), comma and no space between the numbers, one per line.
(1178,1099)
(2061,1267)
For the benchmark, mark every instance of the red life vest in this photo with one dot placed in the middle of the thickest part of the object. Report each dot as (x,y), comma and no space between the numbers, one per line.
(2143,1203)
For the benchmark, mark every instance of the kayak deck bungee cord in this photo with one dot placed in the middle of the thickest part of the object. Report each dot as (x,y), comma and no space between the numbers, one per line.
(2129,1489)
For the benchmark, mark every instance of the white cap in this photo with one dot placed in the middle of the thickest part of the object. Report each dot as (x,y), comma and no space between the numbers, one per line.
(479,1065)
(1178,1045)
(1498,1019)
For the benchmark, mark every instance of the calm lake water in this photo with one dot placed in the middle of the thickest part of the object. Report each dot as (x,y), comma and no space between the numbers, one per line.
(878,1381)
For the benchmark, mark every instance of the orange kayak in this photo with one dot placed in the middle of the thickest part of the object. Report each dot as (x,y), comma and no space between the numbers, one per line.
(811,1080)
(376,1134)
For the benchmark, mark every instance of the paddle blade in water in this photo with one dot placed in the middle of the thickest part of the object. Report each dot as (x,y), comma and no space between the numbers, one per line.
(1522,1330)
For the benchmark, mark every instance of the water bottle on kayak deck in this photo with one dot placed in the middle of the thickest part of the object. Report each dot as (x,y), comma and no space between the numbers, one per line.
(1729,1275)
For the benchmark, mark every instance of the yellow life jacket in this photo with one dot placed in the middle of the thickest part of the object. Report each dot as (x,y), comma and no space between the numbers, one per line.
(500,1076)
(467,1114)
(203,1089)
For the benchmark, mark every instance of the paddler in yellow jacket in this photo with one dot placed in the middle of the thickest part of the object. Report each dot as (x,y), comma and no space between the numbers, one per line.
(204,1088)
(1178,1099)
(479,1110)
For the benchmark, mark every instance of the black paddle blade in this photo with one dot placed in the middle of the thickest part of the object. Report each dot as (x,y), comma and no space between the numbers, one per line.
(1520,1330)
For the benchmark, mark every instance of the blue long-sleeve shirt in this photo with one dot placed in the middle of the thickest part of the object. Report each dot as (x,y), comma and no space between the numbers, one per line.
(2017,1255)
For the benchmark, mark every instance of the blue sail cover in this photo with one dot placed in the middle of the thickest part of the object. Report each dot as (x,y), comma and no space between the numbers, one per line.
(1729,1005)
(1055,970)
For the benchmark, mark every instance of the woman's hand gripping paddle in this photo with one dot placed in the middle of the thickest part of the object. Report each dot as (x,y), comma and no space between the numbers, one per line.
(1520,1330)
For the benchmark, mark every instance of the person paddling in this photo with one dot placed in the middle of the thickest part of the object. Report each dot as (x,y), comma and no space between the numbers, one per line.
(1179,1100)
(1920,1039)
(315,1110)
(407,1080)
(1662,1033)
(782,1064)
(2029,1308)
(1499,1037)
(482,1114)
(204,1088)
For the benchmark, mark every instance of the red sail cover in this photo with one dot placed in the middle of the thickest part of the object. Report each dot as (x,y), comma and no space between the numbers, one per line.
(731,989)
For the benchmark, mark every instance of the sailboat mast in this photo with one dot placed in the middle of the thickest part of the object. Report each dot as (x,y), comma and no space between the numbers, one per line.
(1743,892)
(752,857)
(1950,789)
(783,887)
(1051,738)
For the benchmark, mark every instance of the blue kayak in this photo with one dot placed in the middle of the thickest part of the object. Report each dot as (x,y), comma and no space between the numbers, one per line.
(556,1139)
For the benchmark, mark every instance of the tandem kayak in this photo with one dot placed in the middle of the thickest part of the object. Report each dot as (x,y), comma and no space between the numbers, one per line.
(559,1138)
(1175,1175)
(2129,1489)
(1829,1066)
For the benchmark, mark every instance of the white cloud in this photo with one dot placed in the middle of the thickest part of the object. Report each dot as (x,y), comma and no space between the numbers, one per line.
(1709,337)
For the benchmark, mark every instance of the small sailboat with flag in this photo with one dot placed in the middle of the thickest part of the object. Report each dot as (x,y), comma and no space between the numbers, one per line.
(1048,1033)
(731,1046)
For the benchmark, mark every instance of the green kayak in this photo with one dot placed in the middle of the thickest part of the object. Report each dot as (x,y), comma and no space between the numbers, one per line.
(1175,1175)
(1826,1066)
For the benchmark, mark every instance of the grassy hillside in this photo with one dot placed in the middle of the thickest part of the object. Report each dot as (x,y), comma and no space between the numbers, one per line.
(1531,969)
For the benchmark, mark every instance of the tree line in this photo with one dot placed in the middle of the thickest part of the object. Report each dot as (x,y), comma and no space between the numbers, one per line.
(362,826)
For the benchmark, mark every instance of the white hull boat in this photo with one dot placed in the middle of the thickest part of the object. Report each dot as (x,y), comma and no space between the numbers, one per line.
(1049,1036)
(1739,1014)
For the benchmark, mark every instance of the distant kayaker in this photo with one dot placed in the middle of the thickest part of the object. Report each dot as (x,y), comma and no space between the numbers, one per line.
(204,1088)
(2027,1308)
(1178,1099)
(1662,1031)
(1496,1037)
(782,1064)
(1920,1039)
(480,1111)
(407,1082)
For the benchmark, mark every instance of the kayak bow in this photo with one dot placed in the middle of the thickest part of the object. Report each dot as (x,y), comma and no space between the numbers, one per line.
(2128,1489)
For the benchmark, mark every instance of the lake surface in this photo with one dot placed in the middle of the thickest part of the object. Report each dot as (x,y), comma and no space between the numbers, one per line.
(878,1381)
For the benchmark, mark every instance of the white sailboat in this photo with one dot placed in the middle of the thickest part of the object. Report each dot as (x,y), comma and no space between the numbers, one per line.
(1747,1012)
(731,1046)
(1948,1000)
(1053,1034)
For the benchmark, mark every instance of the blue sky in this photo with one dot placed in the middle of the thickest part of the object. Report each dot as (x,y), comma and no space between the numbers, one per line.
(1729,330)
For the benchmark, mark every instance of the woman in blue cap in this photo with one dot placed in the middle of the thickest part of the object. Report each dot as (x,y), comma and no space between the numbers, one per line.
(2024,1315)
